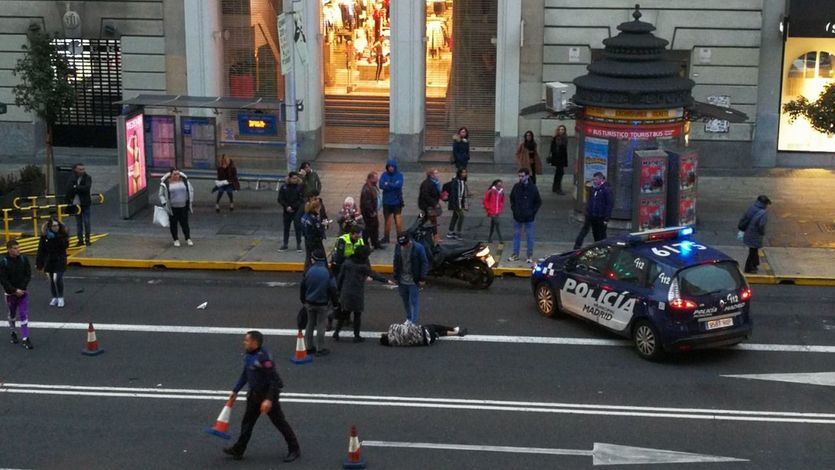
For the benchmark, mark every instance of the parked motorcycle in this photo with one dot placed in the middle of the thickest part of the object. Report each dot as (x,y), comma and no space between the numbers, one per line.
(471,263)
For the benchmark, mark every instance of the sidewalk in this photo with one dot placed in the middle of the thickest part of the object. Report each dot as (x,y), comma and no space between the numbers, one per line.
(800,239)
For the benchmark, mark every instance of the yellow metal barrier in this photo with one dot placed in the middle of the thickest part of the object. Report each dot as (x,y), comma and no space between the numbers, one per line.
(37,211)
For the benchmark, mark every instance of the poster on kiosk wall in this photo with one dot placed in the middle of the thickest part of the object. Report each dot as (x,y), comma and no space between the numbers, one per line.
(135,154)
(595,159)
(649,189)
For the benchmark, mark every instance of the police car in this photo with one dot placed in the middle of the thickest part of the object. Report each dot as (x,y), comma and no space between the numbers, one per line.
(661,288)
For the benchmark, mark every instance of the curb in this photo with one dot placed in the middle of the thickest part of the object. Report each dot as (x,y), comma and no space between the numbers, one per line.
(291,267)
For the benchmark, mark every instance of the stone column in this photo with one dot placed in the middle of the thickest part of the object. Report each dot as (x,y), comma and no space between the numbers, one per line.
(204,48)
(508,46)
(764,147)
(309,88)
(408,80)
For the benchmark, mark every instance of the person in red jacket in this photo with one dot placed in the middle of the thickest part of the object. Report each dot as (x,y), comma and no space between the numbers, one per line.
(493,203)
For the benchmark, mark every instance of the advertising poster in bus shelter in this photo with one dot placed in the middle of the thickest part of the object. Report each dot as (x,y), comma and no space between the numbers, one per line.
(653,175)
(651,212)
(161,151)
(135,154)
(199,142)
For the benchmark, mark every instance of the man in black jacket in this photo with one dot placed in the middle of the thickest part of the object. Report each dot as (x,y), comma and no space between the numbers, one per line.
(15,274)
(78,193)
(291,198)
(524,202)
(264,387)
(598,210)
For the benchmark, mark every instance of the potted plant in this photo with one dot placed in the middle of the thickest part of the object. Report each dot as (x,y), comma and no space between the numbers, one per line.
(32,181)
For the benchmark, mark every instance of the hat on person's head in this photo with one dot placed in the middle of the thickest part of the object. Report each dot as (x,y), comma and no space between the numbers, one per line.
(318,255)
(402,238)
(763,199)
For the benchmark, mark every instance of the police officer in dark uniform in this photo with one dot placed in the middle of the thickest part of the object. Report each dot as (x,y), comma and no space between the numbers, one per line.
(264,386)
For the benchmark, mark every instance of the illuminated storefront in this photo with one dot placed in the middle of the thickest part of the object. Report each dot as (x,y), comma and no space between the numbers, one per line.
(807,69)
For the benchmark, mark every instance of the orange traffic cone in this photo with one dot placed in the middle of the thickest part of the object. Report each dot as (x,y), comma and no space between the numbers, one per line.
(354,459)
(221,427)
(92,347)
(301,356)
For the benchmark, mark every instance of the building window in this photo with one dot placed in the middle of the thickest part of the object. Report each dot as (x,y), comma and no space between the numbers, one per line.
(807,70)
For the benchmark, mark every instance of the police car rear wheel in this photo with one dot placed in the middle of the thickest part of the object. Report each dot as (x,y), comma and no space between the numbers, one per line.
(546,300)
(646,341)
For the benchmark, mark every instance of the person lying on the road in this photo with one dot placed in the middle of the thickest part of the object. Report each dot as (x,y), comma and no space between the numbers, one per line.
(411,334)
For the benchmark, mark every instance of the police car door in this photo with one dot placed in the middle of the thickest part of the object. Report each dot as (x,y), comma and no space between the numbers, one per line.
(582,281)
(627,289)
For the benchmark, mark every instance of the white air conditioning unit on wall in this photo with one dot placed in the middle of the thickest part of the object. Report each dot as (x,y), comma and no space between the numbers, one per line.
(556,96)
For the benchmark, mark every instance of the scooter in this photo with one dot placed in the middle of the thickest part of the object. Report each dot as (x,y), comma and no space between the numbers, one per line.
(469,263)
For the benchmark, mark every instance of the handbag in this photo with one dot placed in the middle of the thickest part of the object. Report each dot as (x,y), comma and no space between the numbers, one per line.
(161,217)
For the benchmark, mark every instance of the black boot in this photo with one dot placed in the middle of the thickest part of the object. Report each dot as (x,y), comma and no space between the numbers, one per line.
(233,452)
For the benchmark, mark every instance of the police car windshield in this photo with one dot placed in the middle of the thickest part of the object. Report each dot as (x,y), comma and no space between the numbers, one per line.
(708,279)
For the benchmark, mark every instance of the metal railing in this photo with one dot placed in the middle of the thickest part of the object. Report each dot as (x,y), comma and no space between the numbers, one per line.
(38,209)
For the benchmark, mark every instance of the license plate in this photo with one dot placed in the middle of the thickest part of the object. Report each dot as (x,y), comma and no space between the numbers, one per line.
(490,261)
(721,323)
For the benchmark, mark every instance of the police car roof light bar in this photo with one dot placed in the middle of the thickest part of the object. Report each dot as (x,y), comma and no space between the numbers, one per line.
(667,233)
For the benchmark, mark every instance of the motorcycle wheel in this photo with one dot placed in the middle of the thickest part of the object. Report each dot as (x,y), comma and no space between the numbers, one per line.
(480,276)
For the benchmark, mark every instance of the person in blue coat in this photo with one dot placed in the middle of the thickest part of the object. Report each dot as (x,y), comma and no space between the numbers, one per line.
(598,210)
(524,203)
(410,266)
(753,225)
(391,184)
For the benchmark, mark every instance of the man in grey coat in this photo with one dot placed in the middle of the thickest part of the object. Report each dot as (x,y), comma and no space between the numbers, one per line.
(752,224)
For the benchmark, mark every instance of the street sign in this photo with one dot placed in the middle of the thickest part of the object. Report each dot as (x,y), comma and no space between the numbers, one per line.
(285,42)
(2,108)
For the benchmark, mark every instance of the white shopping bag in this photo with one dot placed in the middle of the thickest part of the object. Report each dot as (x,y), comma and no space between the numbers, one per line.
(161,216)
(219,183)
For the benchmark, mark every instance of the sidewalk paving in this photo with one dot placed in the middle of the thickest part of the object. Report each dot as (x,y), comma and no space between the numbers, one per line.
(800,239)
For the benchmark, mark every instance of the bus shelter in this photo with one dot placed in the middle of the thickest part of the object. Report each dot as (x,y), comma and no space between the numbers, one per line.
(150,143)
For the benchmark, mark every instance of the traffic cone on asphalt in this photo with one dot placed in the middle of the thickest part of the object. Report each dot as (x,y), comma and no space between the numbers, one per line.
(301,356)
(92,346)
(221,427)
(354,459)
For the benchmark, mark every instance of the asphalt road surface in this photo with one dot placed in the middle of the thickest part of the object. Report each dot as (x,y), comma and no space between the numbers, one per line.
(520,391)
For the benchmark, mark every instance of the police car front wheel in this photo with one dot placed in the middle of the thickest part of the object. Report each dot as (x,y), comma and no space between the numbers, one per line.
(546,300)
(646,341)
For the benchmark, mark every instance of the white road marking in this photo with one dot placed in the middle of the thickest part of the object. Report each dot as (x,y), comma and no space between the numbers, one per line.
(810,378)
(540,340)
(602,453)
(433,403)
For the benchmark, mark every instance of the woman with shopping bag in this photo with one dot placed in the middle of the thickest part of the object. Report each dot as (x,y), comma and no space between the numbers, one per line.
(176,195)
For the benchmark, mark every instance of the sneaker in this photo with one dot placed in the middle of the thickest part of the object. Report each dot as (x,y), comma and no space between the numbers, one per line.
(53,302)
(458,236)
(189,242)
(299,249)
(359,339)
(60,302)
(283,248)
(463,332)
(13,338)
(27,343)
(322,352)
(513,258)
(177,243)
(217,208)
(450,236)
(292,455)
(80,243)
(529,260)
(234,453)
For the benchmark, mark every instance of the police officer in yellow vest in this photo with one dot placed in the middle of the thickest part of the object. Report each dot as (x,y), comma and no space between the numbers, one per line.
(345,247)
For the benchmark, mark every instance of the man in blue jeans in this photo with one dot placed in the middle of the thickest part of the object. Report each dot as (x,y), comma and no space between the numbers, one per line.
(410,269)
(524,203)
(78,194)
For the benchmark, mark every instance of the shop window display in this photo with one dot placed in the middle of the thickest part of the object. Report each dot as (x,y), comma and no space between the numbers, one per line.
(807,69)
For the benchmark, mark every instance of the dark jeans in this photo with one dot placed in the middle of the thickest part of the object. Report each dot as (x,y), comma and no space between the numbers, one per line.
(295,219)
(179,215)
(276,415)
(342,319)
(82,221)
(371,234)
(558,174)
(56,283)
(494,226)
(228,190)
(598,230)
(457,221)
(753,260)
(434,331)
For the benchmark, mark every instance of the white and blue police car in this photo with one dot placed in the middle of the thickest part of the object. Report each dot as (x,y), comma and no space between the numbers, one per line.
(661,288)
